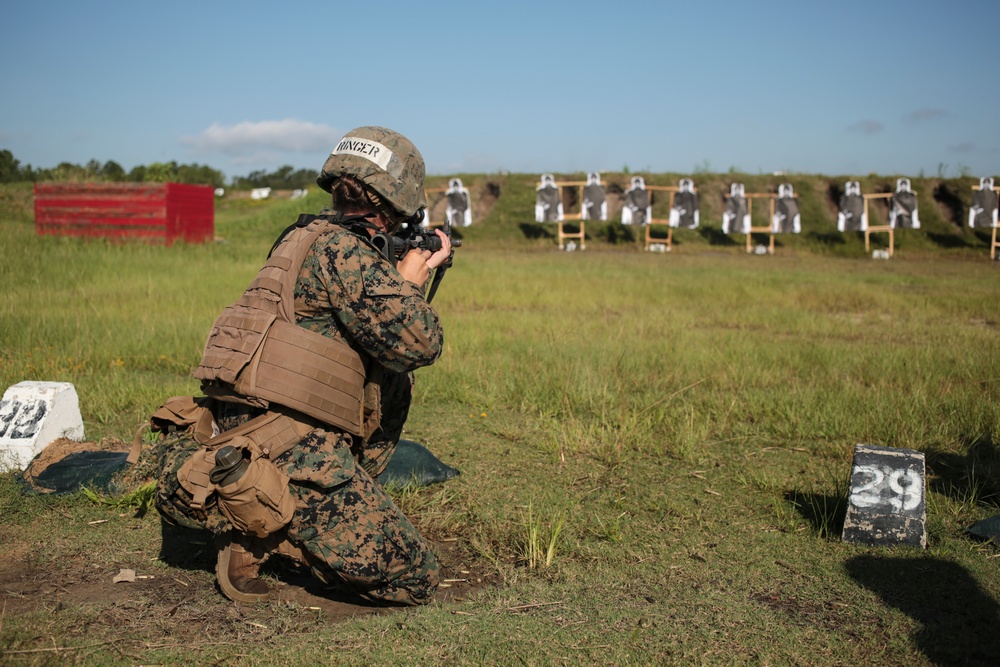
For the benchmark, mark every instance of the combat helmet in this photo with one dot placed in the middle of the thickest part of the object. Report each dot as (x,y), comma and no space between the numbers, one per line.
(385,161)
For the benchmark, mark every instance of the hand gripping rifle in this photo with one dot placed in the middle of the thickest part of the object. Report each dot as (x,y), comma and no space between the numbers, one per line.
(395,247)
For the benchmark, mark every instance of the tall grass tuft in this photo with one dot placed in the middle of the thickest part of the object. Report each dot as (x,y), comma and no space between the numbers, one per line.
(540,538)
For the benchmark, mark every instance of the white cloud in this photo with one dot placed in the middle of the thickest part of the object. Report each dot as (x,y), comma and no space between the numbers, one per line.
(963,147)
(250,139)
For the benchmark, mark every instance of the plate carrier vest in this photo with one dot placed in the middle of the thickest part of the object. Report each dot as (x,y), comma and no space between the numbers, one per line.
(256,354)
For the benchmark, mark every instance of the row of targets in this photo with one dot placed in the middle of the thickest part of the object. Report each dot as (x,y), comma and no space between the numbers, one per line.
(852,215)
(785,217)
(637,204)
(736,217)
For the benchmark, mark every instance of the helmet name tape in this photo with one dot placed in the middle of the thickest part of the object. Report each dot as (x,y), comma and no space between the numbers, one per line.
(370,150)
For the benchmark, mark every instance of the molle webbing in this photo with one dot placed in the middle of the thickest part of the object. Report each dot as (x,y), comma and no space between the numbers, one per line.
(235,338)
(306,371)
(272,433)
(256,348)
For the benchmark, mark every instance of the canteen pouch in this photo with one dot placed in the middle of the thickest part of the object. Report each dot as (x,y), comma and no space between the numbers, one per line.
(260,501)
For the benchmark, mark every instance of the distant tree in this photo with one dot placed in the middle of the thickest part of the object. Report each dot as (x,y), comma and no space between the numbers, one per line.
(280,177)
(285,177)
(303,178)
(67,171)
(137,174)
(255,179)
(161,172)
(157,172)
(112,171)
(197,174)
(10,167)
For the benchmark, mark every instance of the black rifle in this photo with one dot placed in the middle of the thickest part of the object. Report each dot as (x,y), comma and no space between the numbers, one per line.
(395,247)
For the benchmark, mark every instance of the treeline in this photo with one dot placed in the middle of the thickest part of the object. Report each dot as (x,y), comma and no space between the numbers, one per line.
(11,171)
(283,178)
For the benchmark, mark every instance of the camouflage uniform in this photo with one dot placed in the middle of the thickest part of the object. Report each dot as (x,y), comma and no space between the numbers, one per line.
(350,530)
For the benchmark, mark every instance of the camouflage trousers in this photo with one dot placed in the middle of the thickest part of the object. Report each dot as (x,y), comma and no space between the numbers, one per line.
(351,531)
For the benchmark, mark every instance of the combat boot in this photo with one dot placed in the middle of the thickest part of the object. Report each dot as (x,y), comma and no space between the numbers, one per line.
(237,568)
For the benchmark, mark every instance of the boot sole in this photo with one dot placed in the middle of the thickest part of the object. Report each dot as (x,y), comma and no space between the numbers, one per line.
(227,588)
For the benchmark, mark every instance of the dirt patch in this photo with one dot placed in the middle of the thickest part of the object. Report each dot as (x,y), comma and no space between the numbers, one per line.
(487,199)
(824,614)
(181,601)
(951,204)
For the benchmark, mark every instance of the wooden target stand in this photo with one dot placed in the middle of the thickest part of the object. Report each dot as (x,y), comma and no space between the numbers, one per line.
(993,242)
(878,228)
(572,217)
(770,196)
(650,239)
(437,223)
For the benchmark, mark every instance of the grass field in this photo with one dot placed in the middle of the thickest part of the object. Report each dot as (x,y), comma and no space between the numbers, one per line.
(655,451)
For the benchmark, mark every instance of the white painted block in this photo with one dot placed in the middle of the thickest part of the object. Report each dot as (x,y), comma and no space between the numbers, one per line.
(33,415)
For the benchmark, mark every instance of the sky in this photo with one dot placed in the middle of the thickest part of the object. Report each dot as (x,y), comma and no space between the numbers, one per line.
(836,88)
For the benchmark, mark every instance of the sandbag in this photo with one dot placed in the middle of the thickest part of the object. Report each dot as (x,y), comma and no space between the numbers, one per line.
(64,466)
(94,470)
(987,529)
(414,464)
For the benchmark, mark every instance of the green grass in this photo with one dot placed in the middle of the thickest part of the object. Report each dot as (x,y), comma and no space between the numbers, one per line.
(670,435)
(140,498)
